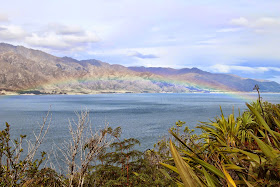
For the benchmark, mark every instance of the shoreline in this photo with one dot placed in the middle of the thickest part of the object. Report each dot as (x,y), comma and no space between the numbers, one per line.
(9,93)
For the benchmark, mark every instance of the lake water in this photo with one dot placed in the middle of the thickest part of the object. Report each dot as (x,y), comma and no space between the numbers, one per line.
(143,116)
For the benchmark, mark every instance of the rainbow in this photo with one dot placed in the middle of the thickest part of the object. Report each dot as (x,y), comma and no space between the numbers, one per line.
(211,87)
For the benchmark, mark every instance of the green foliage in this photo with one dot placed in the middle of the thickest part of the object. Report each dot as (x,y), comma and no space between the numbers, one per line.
(122,165)
(17,171)
(45,177)
(231,151)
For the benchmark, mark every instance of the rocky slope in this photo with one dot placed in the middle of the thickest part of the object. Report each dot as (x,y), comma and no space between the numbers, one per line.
(31,71)
(206,80)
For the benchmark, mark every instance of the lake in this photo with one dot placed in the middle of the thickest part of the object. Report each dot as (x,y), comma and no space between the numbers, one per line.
(146,117)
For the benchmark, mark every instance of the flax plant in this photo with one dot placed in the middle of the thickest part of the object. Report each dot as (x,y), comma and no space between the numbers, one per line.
(242,151)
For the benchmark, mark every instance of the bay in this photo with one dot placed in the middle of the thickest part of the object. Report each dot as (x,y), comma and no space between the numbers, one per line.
(146,117)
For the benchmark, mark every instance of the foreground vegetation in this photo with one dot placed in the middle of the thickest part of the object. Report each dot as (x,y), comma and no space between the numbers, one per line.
(242,151)
(230,151)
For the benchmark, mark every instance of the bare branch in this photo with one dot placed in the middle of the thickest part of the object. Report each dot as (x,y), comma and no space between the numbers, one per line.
(84,146)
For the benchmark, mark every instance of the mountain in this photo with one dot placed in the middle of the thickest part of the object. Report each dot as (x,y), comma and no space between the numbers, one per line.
(211,80)
(26,70)
(167,71)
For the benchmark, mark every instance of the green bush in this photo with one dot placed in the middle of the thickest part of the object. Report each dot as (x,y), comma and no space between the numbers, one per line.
(231,151)
(122,165)
(16,170)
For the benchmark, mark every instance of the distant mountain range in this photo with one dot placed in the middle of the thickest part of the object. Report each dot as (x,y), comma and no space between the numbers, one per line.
(24,70)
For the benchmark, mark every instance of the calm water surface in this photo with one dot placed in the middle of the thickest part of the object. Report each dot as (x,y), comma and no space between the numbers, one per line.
(142,116)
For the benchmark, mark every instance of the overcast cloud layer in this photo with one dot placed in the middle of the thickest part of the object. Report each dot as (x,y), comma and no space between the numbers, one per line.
(239,37)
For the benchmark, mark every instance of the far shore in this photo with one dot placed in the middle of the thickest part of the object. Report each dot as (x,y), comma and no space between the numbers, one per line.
(10,93)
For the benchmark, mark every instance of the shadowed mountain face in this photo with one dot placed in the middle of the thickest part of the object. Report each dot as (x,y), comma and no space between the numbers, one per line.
(24,69)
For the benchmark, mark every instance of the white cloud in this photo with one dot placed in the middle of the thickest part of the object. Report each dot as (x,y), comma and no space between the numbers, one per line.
(3,18)
(229,30)
(266,21)
(208,42)
(274,68)
(276,79)
(62,37)
(140,55)
(87,37)
(259,25)
(241,21)
(50,40)
(65,29)
(11,32)
(221,68)
(155,29)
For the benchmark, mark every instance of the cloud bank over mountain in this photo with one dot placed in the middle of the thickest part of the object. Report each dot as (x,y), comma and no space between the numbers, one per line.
(240,37)
(25,70)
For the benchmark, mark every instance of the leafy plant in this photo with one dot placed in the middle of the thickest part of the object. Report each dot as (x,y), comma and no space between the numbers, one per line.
(122,165)
(231,151)
(18,167)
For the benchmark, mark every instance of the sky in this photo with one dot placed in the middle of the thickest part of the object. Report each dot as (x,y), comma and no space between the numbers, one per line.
(239,37)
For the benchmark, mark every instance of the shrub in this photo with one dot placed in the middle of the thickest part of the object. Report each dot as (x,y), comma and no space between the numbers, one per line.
(231,151)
